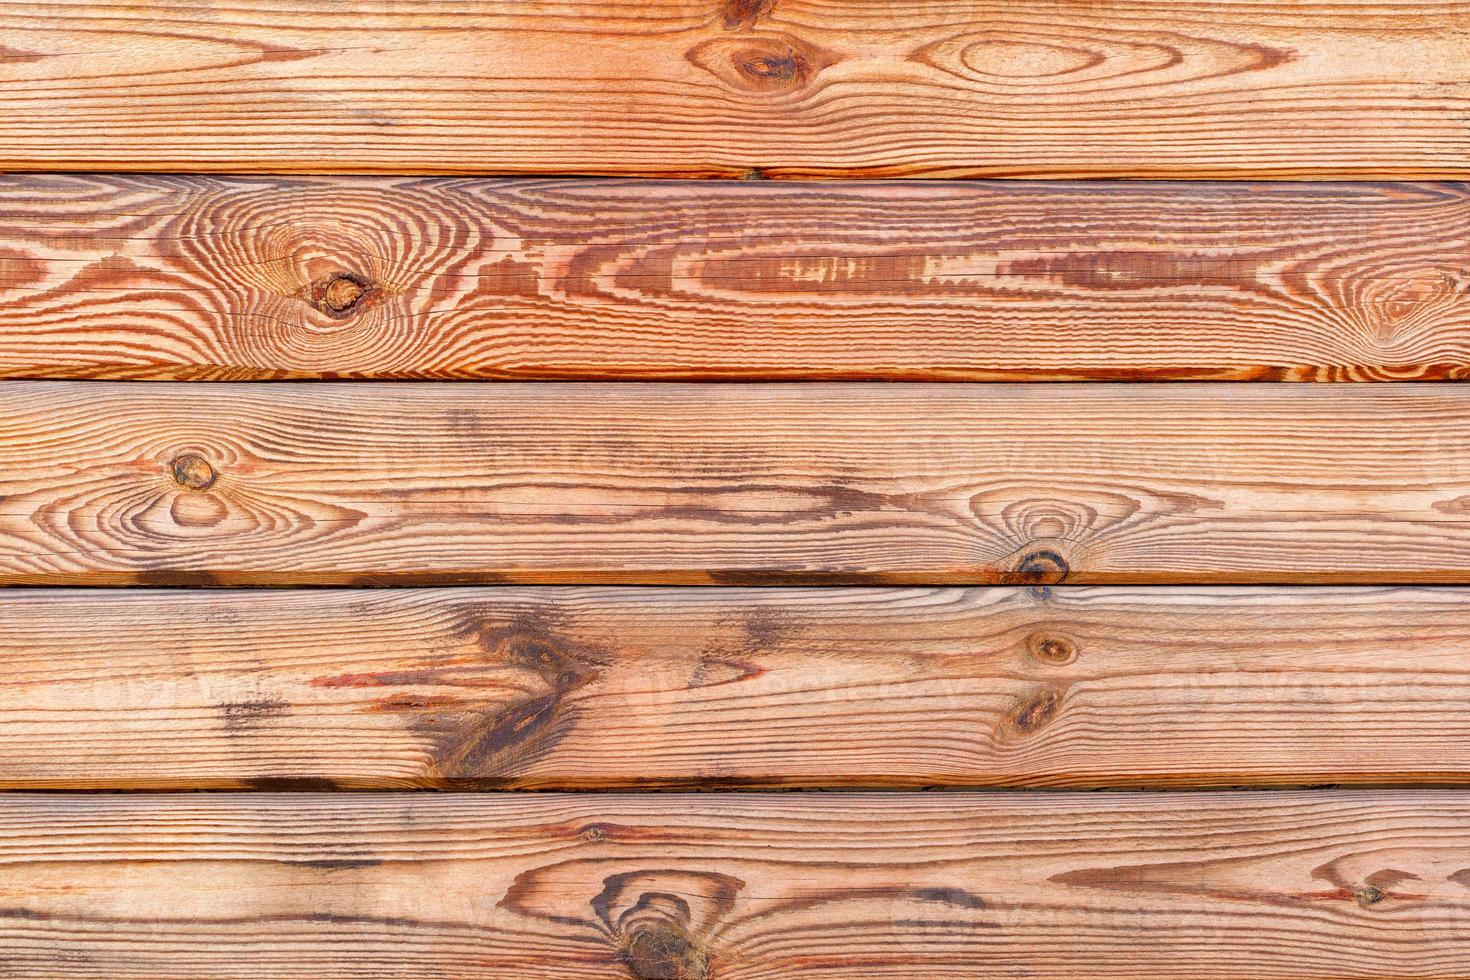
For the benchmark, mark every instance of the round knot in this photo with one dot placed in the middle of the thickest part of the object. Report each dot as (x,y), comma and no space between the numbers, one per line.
(1056,650)
(1368,896)
(340,295)
(664,949)
(343,292)
(193,471)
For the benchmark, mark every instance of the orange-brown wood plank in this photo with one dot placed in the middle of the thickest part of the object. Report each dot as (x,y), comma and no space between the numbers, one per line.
(719,887)
(721,87)
(588,688)
(111,276)
(383,483)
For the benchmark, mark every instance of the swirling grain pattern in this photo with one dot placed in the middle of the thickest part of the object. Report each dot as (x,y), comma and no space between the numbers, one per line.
(379,483)
(1262,885)
(597,688)
(723,87)
(153,277)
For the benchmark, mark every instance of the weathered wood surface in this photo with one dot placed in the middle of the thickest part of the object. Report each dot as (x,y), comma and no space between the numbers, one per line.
(1261,885)
(586,688)
(721,87)
(381,483)
(250,278)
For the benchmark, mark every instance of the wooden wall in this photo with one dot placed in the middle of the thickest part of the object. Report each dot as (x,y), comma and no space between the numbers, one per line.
(439,539)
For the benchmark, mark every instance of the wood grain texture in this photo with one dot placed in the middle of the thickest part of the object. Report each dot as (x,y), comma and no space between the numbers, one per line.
(377,483)
(722,87)
(152,277)
(1262,885)
(588,688)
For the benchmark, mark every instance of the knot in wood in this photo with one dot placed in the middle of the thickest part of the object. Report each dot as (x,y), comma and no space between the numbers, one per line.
(1057,650)
(1033,713)
(782,68)
(743,14)
(193,471)
(769,64)
(666,951)
(1042,567)
(1368,896)
(342,293)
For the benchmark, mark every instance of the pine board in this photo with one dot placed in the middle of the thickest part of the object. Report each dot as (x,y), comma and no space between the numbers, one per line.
(599,688)
(936,88)
(1199,886)
(240,278)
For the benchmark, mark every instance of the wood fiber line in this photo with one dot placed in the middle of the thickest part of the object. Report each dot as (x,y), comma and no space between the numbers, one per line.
(775,484)
(592,688)
(1199,886)
(234,278)
(776,88)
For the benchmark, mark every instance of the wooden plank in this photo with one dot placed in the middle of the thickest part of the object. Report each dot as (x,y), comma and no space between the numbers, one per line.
(105,276)
(379,483)
(581,688)
(1276,88)
(1279,885)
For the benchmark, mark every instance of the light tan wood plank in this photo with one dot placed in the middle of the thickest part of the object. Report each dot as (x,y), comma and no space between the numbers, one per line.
(725,87)
(579,688)
(1264,885)
(116,483)
(105,276)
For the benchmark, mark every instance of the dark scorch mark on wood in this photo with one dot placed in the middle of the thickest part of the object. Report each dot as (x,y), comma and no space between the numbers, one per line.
(240,716)
(473,743)
(500,743)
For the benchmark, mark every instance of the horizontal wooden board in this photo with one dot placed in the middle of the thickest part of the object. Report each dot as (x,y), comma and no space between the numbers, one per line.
(107,276)
(585,688)
(1260,885)
(381,483)
(724,87)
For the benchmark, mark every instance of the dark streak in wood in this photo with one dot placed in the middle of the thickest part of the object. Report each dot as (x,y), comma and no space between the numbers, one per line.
(242,716)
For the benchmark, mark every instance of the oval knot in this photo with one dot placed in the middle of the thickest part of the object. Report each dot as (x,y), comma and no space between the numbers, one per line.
(193,471)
